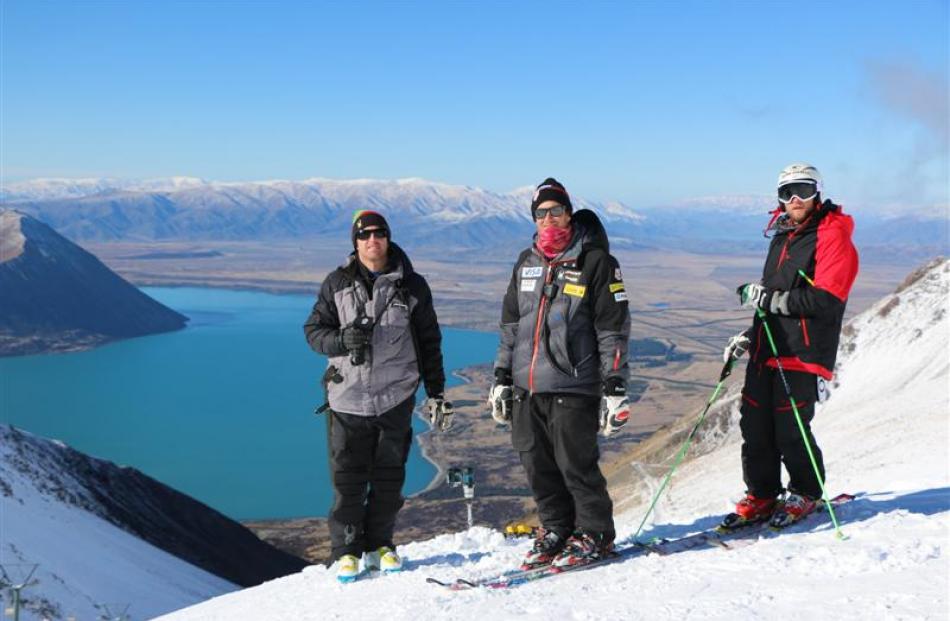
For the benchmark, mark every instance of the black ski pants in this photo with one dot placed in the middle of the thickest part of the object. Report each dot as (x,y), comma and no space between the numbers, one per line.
(556,437)
(770,434)
(368,468)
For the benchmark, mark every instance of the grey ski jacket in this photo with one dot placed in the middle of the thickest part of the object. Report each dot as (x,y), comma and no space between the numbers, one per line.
(406,343)
(565,323)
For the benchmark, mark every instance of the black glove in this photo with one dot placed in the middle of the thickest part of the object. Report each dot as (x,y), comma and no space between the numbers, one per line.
(354,338)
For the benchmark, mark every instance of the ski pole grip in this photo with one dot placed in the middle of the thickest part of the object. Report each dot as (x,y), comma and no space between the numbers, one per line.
(726,369)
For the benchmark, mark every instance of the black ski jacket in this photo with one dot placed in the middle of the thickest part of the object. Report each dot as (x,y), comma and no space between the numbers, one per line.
(565,323)
(807,336)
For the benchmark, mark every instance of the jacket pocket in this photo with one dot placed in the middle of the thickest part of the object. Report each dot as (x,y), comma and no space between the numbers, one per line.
(522,428)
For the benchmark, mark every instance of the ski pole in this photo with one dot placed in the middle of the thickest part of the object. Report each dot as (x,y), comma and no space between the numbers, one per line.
(801,427)
(726,370)
(805,276)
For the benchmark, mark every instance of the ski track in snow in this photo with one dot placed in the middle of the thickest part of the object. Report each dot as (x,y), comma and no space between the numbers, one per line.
(884,434)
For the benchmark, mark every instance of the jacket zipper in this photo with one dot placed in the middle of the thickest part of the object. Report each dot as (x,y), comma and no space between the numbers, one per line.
(537,328)
(805,332)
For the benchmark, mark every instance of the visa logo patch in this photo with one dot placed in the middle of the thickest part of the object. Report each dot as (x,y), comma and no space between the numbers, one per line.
(620,297)
(577,291)
(532,272)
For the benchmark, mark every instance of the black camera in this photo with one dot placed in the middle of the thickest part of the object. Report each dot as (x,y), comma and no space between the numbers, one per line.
(358,356)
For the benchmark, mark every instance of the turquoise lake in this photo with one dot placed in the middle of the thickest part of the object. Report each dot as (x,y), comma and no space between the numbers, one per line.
(222,410)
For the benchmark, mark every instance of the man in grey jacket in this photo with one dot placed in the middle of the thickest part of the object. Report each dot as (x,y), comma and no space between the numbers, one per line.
(375,322)
(561,374)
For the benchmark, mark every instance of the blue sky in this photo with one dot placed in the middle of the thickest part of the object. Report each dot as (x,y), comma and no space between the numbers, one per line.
(645,102)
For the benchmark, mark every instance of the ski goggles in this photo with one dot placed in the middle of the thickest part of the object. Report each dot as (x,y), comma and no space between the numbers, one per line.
(804,190)
(377,233)
(557,210)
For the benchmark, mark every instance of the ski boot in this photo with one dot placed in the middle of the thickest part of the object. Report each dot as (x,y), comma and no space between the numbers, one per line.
(382,559)
(547,545)
(583,548)
(749,510)
(347,568)
(796,507)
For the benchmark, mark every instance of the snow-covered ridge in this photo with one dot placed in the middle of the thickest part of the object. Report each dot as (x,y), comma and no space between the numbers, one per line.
(884,438)
(105,533)
(49,517)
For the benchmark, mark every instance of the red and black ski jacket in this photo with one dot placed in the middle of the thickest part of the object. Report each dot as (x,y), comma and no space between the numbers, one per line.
(807,337)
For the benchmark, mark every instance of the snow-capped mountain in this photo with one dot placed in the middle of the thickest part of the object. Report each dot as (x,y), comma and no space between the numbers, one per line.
(422,213)
(56,188)
(102,533)
(884,438)
(418,210)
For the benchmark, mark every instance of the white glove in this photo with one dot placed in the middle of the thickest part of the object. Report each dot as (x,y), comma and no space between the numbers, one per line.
(754,295)
(499,399)
(737,346)
(440,413)
(614,412)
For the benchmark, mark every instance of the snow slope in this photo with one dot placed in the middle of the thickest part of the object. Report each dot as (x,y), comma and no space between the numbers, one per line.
(84,561)
(884,434)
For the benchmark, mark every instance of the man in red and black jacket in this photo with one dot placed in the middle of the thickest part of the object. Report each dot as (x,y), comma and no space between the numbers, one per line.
(806,280)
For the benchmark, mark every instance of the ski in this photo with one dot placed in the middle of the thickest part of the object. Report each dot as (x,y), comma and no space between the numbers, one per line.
(665,547)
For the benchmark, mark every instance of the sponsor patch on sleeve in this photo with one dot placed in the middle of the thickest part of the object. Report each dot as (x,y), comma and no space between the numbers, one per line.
(532,272)
(528,285)
(620,296)
(577,291)
(617,274)
(616,286)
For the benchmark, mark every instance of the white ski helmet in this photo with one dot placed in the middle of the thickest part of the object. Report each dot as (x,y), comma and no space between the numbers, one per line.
(798,172)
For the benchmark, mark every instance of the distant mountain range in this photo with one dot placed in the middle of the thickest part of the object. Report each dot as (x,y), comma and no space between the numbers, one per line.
(104,533)
(55,296)
(422,213)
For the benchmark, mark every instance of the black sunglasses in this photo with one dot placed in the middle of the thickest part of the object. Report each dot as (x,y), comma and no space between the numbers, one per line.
(557,210)
(377,233)
(803,190)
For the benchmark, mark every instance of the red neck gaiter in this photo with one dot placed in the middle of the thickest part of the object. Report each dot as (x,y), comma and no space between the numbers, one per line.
(553,240)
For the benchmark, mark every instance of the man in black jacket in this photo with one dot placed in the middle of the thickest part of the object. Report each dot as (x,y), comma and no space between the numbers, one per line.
(808,273)
(561,374)
(375,322)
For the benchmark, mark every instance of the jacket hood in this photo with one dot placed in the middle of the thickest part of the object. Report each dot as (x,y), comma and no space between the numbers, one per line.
(835,217)
(589,230)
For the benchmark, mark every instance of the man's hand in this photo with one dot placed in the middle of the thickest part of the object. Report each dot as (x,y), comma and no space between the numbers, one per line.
(440,412)
(354,338)
(769,300)
(754,295)
(614,407)
(500,397)
(500,401)
(737,346)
